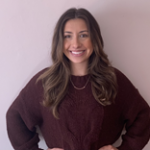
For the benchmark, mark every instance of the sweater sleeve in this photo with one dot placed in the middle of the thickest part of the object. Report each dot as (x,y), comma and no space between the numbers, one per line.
(22,118)
(136,114)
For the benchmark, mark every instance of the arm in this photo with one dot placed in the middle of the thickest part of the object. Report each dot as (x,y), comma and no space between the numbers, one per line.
(137,125)
(21,131)
(136,115)
(23,116)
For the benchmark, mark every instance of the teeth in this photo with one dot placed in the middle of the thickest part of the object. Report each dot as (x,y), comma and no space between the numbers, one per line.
(77,52)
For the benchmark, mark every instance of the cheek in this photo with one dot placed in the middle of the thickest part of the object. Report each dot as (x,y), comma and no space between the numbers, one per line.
(89,45)
(66,45)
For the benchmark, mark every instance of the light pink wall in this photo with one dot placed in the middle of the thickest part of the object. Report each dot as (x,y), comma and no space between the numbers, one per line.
(26,27)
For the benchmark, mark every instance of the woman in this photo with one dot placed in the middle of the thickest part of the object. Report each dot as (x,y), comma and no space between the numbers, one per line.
(80,102)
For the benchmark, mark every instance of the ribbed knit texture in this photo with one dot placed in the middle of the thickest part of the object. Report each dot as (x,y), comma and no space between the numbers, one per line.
(84,124)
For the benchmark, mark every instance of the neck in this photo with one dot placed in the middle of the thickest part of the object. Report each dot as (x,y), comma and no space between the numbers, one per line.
(79,69)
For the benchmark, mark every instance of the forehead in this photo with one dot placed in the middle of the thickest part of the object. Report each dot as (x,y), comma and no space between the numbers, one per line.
(75,25)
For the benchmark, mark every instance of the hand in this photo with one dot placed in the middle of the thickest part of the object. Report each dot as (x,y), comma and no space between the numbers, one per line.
(55,149)
(108,147)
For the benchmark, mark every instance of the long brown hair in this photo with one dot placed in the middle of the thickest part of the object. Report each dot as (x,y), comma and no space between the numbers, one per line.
(56,78)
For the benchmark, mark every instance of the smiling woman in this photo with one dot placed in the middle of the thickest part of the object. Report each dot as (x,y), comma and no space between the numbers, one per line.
(80,102)
(77,45)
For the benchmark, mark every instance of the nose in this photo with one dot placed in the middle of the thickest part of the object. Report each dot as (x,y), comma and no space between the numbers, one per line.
(76,43)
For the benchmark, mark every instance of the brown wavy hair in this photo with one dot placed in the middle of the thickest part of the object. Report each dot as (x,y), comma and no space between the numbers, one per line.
(55,79)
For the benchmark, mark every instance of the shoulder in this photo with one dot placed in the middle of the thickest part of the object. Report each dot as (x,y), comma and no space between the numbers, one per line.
(38,74)
(33,80)
(123,82)
(29,99)
(33,90)
(128,95)
(120,76)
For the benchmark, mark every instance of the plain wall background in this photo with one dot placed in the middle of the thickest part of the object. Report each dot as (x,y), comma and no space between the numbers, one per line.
(26,28)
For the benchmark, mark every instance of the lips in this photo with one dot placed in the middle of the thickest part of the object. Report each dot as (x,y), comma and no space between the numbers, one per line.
(77,52)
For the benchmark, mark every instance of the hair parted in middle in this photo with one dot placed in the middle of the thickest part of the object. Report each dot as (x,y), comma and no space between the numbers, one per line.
(56,78)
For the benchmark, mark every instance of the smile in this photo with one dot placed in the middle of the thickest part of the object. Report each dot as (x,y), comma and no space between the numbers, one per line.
(77,53)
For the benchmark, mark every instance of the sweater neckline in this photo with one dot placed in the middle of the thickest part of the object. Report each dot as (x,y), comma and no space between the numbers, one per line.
(79,75)
(79,81)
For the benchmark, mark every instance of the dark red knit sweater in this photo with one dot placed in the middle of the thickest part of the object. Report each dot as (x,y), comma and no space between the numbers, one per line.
(84,124)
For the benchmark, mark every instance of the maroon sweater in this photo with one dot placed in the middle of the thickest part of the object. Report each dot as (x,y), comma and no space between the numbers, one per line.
(84,124)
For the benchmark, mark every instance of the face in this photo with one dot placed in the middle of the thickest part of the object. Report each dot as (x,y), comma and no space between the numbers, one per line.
(77,42)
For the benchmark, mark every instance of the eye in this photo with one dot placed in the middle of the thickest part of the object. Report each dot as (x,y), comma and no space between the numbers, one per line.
(67,36)
(84,35)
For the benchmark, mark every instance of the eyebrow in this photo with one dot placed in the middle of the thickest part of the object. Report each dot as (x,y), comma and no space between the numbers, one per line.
(79,32)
